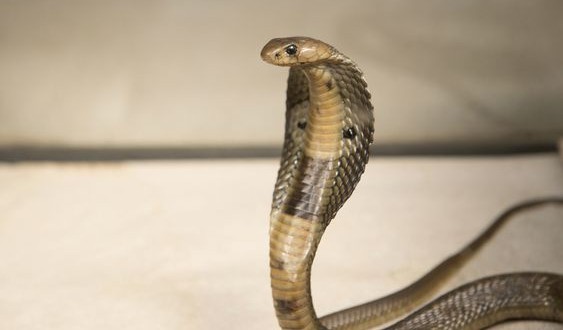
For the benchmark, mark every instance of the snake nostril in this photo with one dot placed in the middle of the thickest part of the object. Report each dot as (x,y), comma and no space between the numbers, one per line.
(277,55)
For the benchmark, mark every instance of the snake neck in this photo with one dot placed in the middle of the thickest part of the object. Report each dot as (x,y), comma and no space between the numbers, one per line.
(293,243)
(297,226)
(326,168)
(323,134)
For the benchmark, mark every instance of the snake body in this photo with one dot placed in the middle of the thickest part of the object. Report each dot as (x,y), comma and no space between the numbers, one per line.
(329,128)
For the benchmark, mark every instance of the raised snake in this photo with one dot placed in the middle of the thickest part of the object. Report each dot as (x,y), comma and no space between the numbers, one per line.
(328,131)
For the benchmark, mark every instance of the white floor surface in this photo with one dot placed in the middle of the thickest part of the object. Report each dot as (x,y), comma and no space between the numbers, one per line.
(183,244)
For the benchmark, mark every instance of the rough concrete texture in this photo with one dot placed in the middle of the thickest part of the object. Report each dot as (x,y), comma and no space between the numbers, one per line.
(140,73)
(183,245)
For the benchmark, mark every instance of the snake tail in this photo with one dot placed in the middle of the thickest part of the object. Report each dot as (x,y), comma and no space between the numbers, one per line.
(492,300)
(385,309)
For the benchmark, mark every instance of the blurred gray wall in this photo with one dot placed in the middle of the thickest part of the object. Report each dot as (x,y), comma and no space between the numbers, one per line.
(138,73)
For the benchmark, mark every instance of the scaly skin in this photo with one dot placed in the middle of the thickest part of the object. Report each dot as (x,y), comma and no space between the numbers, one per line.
(329,128)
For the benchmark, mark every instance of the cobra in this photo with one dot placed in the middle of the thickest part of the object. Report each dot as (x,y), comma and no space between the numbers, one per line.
(328,131)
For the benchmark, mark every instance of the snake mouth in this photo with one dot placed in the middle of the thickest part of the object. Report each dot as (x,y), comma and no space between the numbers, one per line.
(268,57)
(274,57)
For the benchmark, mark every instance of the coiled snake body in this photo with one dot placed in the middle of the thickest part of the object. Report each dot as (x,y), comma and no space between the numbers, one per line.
(329,128)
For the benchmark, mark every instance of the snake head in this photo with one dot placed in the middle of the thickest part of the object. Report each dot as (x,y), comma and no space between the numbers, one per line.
(295,51)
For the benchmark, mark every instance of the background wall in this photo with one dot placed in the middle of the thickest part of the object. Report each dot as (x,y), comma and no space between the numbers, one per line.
(188,74)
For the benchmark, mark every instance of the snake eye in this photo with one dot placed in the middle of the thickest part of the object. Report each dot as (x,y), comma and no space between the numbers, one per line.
(291,50)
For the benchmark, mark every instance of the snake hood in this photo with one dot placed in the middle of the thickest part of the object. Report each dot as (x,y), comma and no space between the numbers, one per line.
(329,127)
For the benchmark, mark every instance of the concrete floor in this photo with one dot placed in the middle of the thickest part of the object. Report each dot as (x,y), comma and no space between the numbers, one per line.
(183,244)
